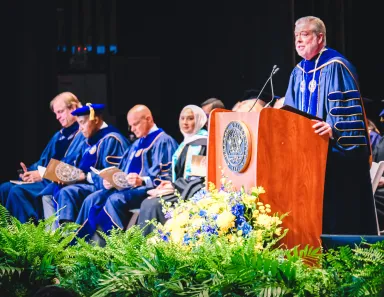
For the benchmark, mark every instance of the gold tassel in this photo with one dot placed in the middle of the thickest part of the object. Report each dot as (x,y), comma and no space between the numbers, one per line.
(91,111)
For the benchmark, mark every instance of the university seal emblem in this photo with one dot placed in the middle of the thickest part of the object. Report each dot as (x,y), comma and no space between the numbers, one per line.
(237,146)
(67,173)
(120,180)
(93,150)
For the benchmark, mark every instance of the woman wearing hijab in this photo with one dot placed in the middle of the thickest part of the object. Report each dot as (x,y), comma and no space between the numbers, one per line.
(191,121)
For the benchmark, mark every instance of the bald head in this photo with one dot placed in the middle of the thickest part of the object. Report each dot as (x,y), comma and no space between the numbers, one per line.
(141,110)
(140,120)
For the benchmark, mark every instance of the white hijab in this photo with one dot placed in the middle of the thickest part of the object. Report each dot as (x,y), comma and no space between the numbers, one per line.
(200,120)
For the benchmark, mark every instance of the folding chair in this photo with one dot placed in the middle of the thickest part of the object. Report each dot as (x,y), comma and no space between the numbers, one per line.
(376,173)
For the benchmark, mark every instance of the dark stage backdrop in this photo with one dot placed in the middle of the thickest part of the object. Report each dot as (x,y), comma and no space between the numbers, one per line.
(167,62)
(29,82)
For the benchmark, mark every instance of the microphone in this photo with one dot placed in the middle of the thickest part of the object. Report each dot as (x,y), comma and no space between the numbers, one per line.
(273,93)
(274,70)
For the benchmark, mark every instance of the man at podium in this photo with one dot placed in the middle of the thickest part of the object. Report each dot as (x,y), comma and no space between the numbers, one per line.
(324,84)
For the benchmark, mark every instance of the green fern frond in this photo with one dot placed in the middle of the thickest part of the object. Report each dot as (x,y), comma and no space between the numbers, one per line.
(5,217)
(6,270)
(272,292)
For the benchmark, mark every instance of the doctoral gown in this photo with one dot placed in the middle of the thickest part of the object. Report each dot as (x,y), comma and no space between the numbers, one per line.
(23,202)
(327,87)
(151,158)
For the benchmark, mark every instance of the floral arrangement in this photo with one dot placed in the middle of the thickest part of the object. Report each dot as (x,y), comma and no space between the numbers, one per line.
(223,212)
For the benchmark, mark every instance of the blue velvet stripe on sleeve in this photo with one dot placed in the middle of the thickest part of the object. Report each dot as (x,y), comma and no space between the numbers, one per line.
(353,140)
(348,96)
(347,111)
(350,125)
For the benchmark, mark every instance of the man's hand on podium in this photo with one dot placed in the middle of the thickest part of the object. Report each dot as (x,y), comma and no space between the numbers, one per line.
(322,128)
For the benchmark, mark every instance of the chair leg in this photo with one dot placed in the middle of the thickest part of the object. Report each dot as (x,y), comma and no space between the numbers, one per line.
(376,217)
(133,219)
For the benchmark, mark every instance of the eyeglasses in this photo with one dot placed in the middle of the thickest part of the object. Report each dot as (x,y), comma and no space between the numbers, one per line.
(303,34)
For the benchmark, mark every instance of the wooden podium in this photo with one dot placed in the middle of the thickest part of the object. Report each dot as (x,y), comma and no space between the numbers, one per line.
(286,157)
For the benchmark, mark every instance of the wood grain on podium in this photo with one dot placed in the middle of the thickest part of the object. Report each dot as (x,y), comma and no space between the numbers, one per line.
(288,160)
(291,167)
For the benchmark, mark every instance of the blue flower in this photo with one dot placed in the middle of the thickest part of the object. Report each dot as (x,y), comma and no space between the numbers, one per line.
(168,215)
(164,236)
(233,200)
(199,195)
(202,213)
(209,229)
(186,239)
(238,210)
(245,228)
(214,216)
(240,220)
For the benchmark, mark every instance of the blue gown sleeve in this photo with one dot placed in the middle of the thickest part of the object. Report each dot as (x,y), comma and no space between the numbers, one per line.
(110,151)
(47,154)
(159,167)
(345,111)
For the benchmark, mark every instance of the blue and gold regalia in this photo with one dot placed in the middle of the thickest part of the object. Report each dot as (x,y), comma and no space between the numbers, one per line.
(326,86)
(102,150)
(150,157)
(22,200)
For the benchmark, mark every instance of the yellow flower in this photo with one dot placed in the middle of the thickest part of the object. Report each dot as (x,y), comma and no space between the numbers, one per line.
(264,220)
(181,219)
(195,209)
(259,246)
(276,221)
(211,187)
(204,203)
(225,220)
(219,197)
(249,199)
(197,222)
(260,190)
(278,231)
(230,237)
(216,208)
(168,226)
(177,235)
(259,235)
(257,190)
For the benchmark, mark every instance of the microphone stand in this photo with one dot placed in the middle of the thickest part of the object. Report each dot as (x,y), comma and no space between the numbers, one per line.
(274,70)
(273,92)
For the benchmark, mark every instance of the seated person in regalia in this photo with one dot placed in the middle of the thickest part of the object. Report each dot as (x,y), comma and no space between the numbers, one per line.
(191,122)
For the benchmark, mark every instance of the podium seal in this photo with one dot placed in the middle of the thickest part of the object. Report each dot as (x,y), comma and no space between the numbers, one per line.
(237,146)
